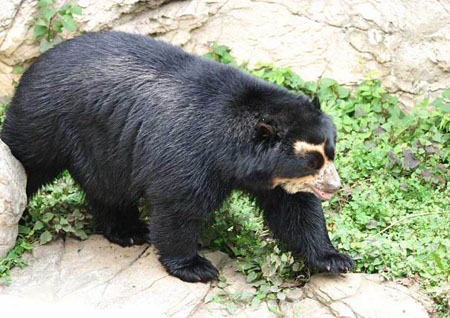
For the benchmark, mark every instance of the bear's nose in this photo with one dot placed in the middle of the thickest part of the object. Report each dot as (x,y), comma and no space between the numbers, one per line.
(332,187)
(330,179)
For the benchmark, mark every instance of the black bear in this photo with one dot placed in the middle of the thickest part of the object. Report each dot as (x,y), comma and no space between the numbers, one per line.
(129,117)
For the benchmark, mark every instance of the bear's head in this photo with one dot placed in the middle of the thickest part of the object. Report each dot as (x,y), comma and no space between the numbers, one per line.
(305,139)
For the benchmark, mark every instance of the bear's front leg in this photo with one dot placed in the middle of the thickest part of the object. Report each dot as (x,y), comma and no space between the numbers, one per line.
(298,221)
(175,233)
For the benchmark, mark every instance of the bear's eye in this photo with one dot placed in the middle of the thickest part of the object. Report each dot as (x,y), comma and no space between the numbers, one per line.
(314,159)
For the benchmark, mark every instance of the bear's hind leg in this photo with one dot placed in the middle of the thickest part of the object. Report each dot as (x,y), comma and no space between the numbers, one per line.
(38,177)
(175,235)
(120,224)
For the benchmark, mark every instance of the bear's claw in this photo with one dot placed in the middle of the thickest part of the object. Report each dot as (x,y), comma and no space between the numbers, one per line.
(136,234)
(333,262)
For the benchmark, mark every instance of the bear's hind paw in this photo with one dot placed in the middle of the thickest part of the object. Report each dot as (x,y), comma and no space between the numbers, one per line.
(197,269)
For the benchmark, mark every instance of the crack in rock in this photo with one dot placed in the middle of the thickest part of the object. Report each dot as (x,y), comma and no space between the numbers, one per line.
(8,27)
(108,282)
(135,293)
(201,302)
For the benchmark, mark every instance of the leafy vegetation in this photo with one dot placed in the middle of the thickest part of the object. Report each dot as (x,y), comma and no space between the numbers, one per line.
(391,215)
(52,21)
(57,210)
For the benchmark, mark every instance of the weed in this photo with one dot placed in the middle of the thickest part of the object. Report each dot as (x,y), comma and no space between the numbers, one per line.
(51,22)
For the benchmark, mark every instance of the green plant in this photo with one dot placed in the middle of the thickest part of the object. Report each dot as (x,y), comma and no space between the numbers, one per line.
(3,108)
(57,210)
(239,230)
(52,21)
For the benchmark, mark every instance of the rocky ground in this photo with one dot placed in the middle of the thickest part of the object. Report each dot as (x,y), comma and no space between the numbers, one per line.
(95,275)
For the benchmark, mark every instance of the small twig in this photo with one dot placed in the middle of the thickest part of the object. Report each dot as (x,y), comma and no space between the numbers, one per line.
(403,219)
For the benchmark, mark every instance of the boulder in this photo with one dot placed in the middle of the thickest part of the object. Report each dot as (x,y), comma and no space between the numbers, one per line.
(95,276)
(13,198)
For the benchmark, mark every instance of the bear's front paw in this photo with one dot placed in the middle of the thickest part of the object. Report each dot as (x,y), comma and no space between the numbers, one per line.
(333,262)
(196,269)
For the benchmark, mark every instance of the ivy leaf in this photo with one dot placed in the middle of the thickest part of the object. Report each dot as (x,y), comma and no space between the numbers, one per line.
(209,55)
(231,307)
(438,261)
(359,111)
(27,246)
(408,160)
(41,22)
(38,225)
(438,102)
(379,131)
(18,69)
(404,186)
(372,224)
(281,296)
(47,217)
(48,13)
(274,309)
(426,173)
(24,229)
(75,9)
(431,149)
(251,277)
(446,108)
(327,82)
(44,3)
(39,30)
(221,50)
(222,285)
(68,22)
(342,92)
(45,237)
(45,45)
(311,86)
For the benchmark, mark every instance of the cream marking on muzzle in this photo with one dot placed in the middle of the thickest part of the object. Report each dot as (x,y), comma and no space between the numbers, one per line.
(326,176)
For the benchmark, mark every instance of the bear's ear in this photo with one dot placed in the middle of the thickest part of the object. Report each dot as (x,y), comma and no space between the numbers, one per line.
(264,130)
(315,102)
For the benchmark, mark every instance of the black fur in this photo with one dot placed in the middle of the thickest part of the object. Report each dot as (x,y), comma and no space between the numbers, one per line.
(132,117)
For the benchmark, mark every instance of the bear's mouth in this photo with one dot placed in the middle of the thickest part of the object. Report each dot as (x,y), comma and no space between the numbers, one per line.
(322,195)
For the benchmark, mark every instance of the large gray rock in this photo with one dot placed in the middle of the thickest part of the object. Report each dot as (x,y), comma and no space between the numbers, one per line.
(98,275)
(407,42)
(95,275)
(368,296)
(13,198)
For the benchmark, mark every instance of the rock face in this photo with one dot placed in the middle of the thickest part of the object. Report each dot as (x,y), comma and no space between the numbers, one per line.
(356,295)
(95,275)
(13,198)
(407,42)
